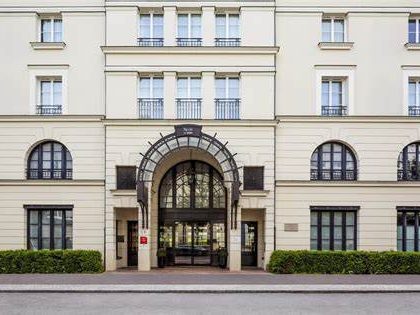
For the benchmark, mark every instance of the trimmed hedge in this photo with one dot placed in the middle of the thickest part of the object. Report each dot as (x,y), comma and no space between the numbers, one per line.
(344,262)
(50,261)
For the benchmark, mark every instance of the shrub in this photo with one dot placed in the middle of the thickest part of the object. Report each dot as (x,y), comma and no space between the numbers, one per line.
(349,262)
(50,261)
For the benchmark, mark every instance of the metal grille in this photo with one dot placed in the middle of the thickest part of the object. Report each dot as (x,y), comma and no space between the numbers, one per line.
(414,111)
(49,110)
(181,41)
(334,110)
(227,42)
(150,108)
(227,108)
(188,108)
(150,42)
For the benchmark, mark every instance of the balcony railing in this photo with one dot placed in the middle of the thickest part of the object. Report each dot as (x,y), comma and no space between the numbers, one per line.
(414,110)
(333,174)
(188,108)
(227,42)
(185,42)
(150,42)
(48,109)
(409,175)
(334,111)
(227,108)
(47,173)
(150,108)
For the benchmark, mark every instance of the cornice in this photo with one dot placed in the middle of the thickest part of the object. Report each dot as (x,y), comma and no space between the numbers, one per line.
(204,122)
(36,118)
(52,183)
(203,50)
(347,119)
(360,183)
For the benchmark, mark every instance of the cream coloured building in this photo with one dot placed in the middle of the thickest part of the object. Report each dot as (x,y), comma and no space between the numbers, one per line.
(199,127)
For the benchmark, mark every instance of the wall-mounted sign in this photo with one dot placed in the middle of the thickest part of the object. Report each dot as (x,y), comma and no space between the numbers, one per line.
(188,130)
(143,240)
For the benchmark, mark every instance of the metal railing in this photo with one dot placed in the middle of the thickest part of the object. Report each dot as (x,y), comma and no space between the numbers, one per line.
(150,108)
(333,174)
(150,42)
(334,111)
(48,109)
(409,175)
(227,42)
(185,42)
(188,108)
(50,174)
(414,110)
(227,108)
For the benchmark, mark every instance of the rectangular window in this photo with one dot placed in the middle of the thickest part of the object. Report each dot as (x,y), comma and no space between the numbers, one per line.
(227,88)
(151,98)
(126,177)
(414,97)
(151,30)
(408,221)
(414,31)
(189,30)
(333,97)
(253,177)
(333,30)
(227,30)
(50,228)
(151,87)
(333,229)
(189,87)
(50,97)
(51,30)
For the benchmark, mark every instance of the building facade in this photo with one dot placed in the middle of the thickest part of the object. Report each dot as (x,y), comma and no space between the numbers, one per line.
(199,127)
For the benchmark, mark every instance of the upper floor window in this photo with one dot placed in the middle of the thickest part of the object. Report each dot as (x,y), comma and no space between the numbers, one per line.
(151,98)
(253,177)
(333,30)
(333,161)
(189,30)
(414,31)
(189,98)
(409,162)
(227,30)
(52,30)
(50,96)
(151,30)
(408,220)
(414,97)
(227,98)
(126,177)
(50,160)
(333,97)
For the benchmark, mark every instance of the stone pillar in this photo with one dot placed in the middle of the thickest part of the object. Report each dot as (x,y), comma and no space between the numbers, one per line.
(169,87)
(110,240)
(234,235)
(144,250)
(208,91)
(169,26)
(208,29)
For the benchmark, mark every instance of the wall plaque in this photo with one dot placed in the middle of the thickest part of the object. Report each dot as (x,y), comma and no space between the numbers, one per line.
(291,227)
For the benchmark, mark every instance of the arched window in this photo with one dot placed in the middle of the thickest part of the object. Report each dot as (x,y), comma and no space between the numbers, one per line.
(409,162)
(50,160)
(333,161)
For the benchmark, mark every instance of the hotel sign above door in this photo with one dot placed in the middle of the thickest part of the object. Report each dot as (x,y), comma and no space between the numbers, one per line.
(188,130)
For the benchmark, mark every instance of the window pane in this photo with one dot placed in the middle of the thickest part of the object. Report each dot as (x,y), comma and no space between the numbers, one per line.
(46,29)
(195,88)
(158,26)
(145,88)
(57,86)
(412,94)
(412,31)
(220,26)
(182,88)
(58,30)
(46,93)
(183,25)
(234,26)
(233,88)
(145,26)
(326,30)
(220,88)
(339,30)
(325,93)
(337,94)
(158,88)
(69,229)
(350,245)
(33,217)
(195,25)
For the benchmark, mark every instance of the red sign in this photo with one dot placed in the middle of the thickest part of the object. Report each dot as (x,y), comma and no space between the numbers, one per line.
(143,240)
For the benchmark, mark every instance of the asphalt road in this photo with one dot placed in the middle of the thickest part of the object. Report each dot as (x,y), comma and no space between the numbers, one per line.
(132,303)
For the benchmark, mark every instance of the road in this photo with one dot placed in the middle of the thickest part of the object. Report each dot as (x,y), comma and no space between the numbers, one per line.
(168,303)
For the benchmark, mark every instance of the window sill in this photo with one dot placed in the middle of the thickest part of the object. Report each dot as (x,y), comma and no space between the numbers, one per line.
(48,45)
(123,192)
(254,193)
(412,46)
(335,46)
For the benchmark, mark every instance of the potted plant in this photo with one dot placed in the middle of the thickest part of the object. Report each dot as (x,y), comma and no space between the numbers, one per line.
(161,255)
(222,255)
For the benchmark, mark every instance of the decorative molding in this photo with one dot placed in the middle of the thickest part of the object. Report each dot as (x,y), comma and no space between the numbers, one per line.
(48,46)
(52,182)
(347,119)
(254,193)
(334,208)
(123,192)
(44,119)
(48,207)
(203,122)
(412,46)
(244,50)
(335,46)
(328,184)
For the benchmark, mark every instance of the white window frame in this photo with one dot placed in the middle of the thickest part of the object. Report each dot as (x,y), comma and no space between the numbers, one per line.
(410,73)
(51,81)
(151,86)
(227,15)
(189,25)
(227,80)
(151,26)
(52,19)
(417,40)
(189,78)
(330,90)
(332,19)
(416,82)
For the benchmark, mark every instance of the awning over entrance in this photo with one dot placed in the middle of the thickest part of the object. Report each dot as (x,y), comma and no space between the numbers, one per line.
(187,137)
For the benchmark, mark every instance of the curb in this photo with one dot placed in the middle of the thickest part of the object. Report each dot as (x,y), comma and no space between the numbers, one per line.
(210,288)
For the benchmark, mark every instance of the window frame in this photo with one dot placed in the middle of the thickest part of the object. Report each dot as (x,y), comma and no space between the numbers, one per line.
(227,80)
(226,25)
(404,210)
(152,86)
(188,89)
(417,30)
(332,210)
(332,20)
(152,25)
(246,177)
(51,81)
(53,20)
(190,25)
(403,159)
(117,167)
(416,82)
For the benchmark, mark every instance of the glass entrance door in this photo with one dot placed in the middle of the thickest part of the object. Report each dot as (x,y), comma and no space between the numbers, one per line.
(249,241)
(132,243)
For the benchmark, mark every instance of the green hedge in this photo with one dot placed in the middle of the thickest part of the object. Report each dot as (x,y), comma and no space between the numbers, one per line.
(349,262)
(50,261)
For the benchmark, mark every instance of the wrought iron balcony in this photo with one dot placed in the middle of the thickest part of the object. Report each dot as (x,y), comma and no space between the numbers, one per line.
(334,111)
(329,174)
(227,42)
(227,108)
(188,108)
(150,42)
(409,175)
(185,42)
(48,109)
(150,108)
(47,173)
(414,110)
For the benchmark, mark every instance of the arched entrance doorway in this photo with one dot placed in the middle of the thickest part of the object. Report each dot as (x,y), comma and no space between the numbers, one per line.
(192,215)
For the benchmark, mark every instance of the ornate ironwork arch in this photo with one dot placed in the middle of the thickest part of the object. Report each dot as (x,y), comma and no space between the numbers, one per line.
(187,136)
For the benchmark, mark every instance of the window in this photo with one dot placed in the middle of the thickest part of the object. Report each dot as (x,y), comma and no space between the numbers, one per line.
(189,30)
(414,31)
(50,97)
(227,30)
(333,161)
(227,98)
(151,30)
(50,228)
(50,160)
(151,98)
(334,228)
(414,97)
(126,177)
(189,98)
(333,98)
(409,163)
(254,178)
(333,30)
(189,87)
(51,30)
(408,220)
